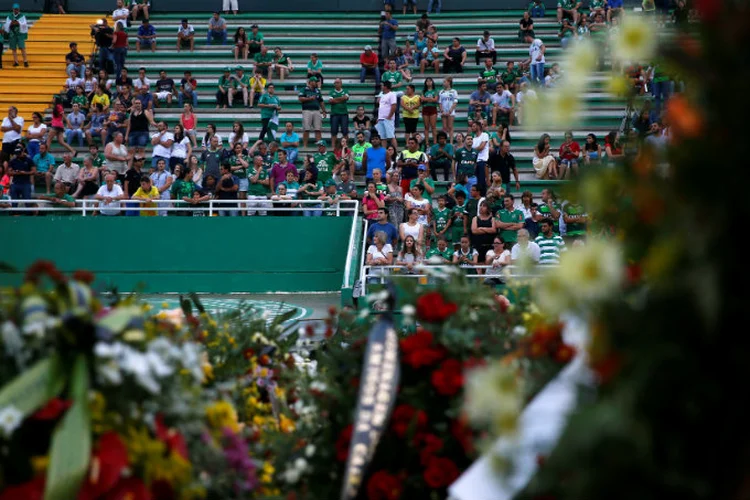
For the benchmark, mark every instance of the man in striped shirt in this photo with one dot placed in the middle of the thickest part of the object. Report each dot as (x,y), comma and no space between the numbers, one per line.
(550,244)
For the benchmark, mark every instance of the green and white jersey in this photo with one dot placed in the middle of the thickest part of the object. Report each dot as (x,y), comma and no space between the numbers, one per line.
(457,228)
(575,229)
(567,4)
(325,163)
(442,217)
(512,216)
(258,189)
(269,99)
(596,4)
(234,162)
(489,75)
(550,248)
(466,161)
(447,254)
(545,211)
(340,108)
(392,76)
(226,82)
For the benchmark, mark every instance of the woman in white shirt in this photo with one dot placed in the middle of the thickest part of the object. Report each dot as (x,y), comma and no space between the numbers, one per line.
(409,256)
(411,227)
(497,257)
(35,134)
(238,135)
(181,148)
(72,82)
(414,199)
(89,83)
(448,99)
(196,172)
(380,253)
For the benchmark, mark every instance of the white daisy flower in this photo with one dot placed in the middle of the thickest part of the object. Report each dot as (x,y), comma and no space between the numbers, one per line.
(10,418)
(635,40)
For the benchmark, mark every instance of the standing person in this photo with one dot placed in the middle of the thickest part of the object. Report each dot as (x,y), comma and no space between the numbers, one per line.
(483,230)
(120,47)
(338,97)
(228,5)
(290,142)
(536,60)
(409,161)
(17,30)
(448,101)
(429,100)
(505,163)
(373,158)
(162,142)
(185,35)
(482,146)
(486,48)
(117,155)
(181,148)
(441,157)
(313,110)
(388,28)
(12,128)
(162,180)
(270,106)
(509,220)
(386,113)
(466,162)
(410,102)
(259,187)
(22,170)
(325,161)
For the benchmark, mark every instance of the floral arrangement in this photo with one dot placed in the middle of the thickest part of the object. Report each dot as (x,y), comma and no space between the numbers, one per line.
(447,331)
(103,401)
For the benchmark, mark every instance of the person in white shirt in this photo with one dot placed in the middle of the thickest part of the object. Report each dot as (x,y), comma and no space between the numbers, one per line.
(525,251)
(486,48)
(74,122)
(386,112)
(185,36)
(536,60)
(142,80)
(521,97)
(67,172)
(162,180)
(497,257)
(12,127)
(109,196)
(380,253)
(120,15)
(481,144)
(162,142)
(503,101)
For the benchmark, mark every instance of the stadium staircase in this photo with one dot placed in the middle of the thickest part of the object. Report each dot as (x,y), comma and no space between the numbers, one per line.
(338,40)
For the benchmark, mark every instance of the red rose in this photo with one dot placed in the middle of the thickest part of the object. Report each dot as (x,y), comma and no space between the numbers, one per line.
(407,417)
(417,350)
(131,488)
(384,486)
(109,460)
(54,408)
(463,434)
(449,378)
(432,308)
(83,276)
(343,442)
(440,472)
(430,444)
(502,303)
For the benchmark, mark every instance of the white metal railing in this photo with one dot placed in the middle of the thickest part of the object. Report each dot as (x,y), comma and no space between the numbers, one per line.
(379,274)
(352,238)
(88,207)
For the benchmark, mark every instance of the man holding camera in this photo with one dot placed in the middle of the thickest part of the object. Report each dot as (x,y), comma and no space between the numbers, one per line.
(103,35)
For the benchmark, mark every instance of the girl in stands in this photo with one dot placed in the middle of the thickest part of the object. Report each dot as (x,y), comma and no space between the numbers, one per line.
(195,172)
(58,126)
(240,43)
(592,151)
(429,101)
(448,103)
(189,123)
(409,256)
(181,148)
(395,200)
(210,132)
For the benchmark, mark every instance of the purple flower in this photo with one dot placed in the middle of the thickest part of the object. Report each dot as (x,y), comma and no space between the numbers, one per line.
(238,459)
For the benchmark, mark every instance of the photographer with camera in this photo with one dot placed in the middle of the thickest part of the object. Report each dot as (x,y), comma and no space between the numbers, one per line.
(18,30)
(103,36)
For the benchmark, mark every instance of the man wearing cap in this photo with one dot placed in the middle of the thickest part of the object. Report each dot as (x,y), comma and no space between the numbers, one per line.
(146,36)
(386,113)
(217,29)
(486,48)
(226,84)
(185,35)
(241,85)
(263,61)
(325,161)
(254,41)
(17,30)
(313,111)
(369,61)
(22,170)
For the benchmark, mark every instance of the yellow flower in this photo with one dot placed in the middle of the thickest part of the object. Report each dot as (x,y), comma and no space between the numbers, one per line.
(635,41)
(208,372)
(266,473)
(619,85)
(39,464)
(221,415)
(286,424)
(174,317)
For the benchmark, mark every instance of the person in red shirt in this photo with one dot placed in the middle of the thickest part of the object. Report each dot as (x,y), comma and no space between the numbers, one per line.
(570,153)
(369,61)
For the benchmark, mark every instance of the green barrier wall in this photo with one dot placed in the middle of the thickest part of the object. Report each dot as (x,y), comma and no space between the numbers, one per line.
(176,254)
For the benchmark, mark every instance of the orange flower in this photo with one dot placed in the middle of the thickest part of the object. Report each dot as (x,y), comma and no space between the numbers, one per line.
(685,120)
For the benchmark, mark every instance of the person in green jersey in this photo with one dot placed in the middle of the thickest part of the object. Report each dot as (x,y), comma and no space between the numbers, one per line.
(566,34)
(61,200)
(338,97)
(311,189)
(226,84)
(597,7)
(263,61)
(510,76)
(550,244)
(568,9)
(441,157)
(282,64)
(241,85)
(489,74)
(394,76)
(440,254)
(425,181)
(441,220)
(16,29)
(315,69)
(254,41)
(358,150)
(466,162)
(259,187)
(270,106)
(325,161)
(549,208)
(380,186)
(509,220)
(458,218)
(576,219)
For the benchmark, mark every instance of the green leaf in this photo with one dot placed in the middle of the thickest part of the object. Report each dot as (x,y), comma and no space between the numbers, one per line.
(119,319)
(283,318)
(71,443)
(30,390)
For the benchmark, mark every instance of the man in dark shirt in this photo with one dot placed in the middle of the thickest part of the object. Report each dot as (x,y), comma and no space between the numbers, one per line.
(123,80)
(504,163)
(187,90)
(103,35)
(132,182)
(165,89)
(227,190)
(74,60)
(22,169)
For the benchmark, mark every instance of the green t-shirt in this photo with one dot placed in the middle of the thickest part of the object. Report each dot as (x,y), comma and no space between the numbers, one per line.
(268,99)
(596,4)
(258,189)
(254,40)
(234,161)
(508,77)
(340,108)
(283,60)
(259,58)
(80,100)
(310,92)
(182,189)
(359,151)
(325,163)
(457,228)
(441,218)
(226,83)
(316,67)
(430,94)
(381,189)
(305,196)
(545,212)
(392,76)
(63,209)
(447,154)
(98,160)
(514,216)
(242,80)
(575,229)
(567,4)
(466,162)
(489,75)
(426,181)
(447,254)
